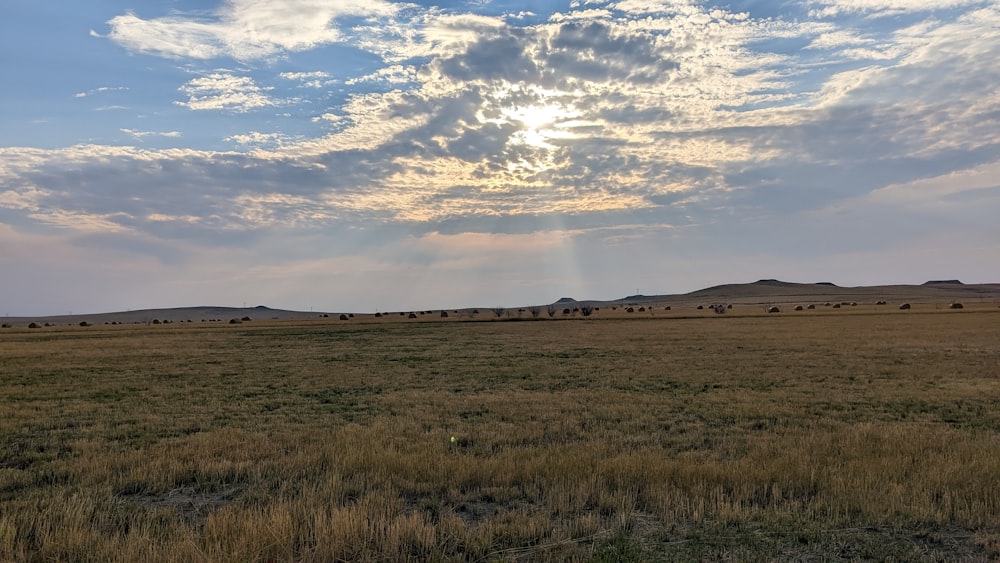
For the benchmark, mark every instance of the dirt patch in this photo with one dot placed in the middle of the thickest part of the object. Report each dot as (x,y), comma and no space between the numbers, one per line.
(193,506)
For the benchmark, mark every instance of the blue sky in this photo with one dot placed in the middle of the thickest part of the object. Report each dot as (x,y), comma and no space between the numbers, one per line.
(359,155)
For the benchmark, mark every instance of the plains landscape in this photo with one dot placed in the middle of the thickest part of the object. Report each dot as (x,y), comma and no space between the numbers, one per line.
(670,433)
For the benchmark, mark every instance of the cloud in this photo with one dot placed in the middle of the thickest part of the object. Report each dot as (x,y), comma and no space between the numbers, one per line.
(314,79)
(686,116)
(243,29)
(258,139)
(225,91)
(881,8)
(100,90)
(140,135)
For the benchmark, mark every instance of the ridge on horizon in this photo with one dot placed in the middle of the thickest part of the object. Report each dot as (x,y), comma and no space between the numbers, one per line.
(762,288)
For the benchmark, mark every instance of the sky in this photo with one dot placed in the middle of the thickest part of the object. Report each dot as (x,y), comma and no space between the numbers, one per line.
(372,155)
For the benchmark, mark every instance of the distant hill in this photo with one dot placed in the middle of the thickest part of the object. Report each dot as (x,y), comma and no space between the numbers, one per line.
(765,291)
(777,291)
(173,315)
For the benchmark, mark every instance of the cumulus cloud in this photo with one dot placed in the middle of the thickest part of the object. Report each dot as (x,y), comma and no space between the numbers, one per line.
(646,112)
(224,91)
(243,29)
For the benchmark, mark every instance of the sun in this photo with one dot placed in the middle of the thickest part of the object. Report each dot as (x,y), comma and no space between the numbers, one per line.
(537,117)
(540,123)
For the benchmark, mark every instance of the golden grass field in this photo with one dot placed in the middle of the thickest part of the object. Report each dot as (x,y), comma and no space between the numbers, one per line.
(868,434)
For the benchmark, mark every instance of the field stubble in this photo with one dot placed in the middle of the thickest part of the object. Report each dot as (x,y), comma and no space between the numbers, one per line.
(740,438)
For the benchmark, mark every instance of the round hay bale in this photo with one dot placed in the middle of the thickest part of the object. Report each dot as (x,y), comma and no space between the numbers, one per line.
(773,309)
(444,314)
(412,316)
(378,315)
(798,308)
(904,306)
(235,322)
(956,306)
(84,323)
(811,307)
(667,308)
(343,317)
(701,307)
(836,305)
(33,325)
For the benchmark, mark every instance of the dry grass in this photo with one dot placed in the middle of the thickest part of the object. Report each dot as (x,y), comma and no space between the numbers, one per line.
(816,436)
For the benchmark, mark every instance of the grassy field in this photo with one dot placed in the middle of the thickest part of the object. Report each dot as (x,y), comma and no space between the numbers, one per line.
(814,436)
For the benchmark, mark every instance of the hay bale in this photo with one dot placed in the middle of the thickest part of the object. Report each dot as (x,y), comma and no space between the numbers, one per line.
(798,308)
(33,325)
(836,305)
(773,309)
(412,316)
(444,314)
(701,307)
(904,306)
(343,317)
(811,306)
(956,306)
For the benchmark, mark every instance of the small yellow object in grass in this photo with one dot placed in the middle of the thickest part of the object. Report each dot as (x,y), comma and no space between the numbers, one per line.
(452,439)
